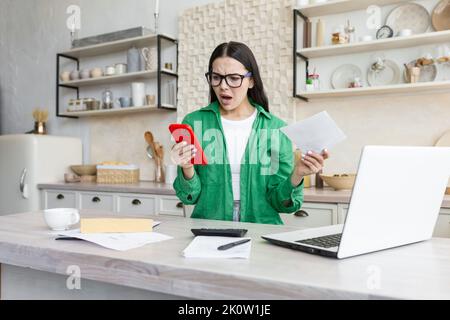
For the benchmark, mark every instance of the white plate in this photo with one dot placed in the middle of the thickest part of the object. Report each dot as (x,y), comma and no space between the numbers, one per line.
(344,75)
(389,76)
(411,16)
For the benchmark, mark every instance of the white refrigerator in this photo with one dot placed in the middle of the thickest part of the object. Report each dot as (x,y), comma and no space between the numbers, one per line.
(27,160)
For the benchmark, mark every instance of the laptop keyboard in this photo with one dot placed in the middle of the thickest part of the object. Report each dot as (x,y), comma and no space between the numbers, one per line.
(324,242)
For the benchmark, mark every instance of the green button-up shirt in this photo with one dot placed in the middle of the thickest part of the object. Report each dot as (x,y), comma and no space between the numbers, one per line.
(265,178)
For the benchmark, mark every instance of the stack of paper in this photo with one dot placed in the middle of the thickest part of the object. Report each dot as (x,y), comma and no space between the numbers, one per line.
(120,241)
(206,247)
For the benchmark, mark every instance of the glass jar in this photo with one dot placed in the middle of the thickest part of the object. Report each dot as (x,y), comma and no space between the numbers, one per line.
(107,99)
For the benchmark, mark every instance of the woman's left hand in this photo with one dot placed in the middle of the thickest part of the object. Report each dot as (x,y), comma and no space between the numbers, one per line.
(311,163)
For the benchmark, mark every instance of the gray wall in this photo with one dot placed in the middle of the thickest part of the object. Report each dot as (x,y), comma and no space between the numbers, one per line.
(33,31)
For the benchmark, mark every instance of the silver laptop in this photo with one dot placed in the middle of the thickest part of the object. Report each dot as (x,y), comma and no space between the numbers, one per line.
(396,201)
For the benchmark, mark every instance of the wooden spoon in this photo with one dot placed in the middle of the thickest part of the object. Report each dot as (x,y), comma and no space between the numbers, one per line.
(151,142)
(160,159)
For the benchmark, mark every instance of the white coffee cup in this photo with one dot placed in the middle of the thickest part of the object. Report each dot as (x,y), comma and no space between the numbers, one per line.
(61,219)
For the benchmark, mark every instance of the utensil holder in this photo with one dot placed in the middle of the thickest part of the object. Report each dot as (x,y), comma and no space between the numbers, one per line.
(412,74)
(40,128)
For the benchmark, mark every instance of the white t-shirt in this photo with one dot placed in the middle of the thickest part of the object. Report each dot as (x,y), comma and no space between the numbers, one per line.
(237,133)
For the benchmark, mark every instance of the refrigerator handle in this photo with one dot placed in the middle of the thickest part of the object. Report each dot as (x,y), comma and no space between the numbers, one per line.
(22,182)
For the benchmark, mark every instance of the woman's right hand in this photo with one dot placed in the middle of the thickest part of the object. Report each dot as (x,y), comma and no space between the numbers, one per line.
(182,154)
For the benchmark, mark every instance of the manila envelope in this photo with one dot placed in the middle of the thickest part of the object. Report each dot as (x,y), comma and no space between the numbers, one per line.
(115,225)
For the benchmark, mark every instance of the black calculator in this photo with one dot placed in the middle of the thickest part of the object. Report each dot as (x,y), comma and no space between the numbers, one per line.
(238,233)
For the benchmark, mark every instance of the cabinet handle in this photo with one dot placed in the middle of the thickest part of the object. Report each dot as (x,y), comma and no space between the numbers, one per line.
(60,197)
(180,205)
(96,199)
(136,202)
(301,214)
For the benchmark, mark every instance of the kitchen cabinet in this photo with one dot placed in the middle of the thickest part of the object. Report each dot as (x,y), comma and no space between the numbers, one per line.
(59,199)
(442,229)
(325,214)
(171,206)
(96,201)
(312,215)
(342,209)
(121,203)
(136,204)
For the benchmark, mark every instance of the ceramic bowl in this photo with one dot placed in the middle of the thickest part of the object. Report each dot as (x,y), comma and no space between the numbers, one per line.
(96,73)
(75,75)
(85,74)
(65,76)
(340,182)
(84,170)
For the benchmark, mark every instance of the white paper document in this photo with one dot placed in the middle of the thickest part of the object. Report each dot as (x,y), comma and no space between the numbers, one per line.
(315,134)
(118,241)
(206,247)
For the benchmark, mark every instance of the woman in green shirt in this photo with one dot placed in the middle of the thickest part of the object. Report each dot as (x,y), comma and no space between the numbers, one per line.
(250,176)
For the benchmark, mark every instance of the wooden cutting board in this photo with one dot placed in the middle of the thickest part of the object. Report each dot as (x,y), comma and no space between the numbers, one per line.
(444,141)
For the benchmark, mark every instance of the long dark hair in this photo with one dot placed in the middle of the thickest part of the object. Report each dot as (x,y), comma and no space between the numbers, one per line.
(244,55)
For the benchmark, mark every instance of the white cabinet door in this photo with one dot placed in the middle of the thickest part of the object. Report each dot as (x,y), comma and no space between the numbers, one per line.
(97,201)
(342,212)
(170,205)
(136,204)
(59,199)
(442,229)
(312,215)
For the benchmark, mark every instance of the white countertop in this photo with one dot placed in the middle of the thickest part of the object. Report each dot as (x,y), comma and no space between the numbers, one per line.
(326,195)
(418,271)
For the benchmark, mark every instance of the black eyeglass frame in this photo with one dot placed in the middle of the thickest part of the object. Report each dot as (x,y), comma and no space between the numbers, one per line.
(222,77)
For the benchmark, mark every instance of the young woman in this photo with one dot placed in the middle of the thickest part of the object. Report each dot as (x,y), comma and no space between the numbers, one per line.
(251,175)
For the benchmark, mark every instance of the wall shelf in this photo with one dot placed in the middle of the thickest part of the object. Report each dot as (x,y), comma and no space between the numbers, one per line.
(115,46)
(111,79)
(341,6)
(109,112)
(441,86)
(376,45)
(76,54)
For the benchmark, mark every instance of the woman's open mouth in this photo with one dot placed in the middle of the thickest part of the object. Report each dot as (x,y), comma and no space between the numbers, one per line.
(226,98)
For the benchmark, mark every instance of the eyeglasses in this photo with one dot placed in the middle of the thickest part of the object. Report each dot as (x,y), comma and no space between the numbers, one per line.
(233,80)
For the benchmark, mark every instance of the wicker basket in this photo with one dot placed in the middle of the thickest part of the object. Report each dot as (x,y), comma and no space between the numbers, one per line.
(117,174)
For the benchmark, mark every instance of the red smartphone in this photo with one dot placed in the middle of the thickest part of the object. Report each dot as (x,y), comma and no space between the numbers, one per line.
(184,132)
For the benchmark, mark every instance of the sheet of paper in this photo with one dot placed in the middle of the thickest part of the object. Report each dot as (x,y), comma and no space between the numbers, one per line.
(315,133)
(206,247)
